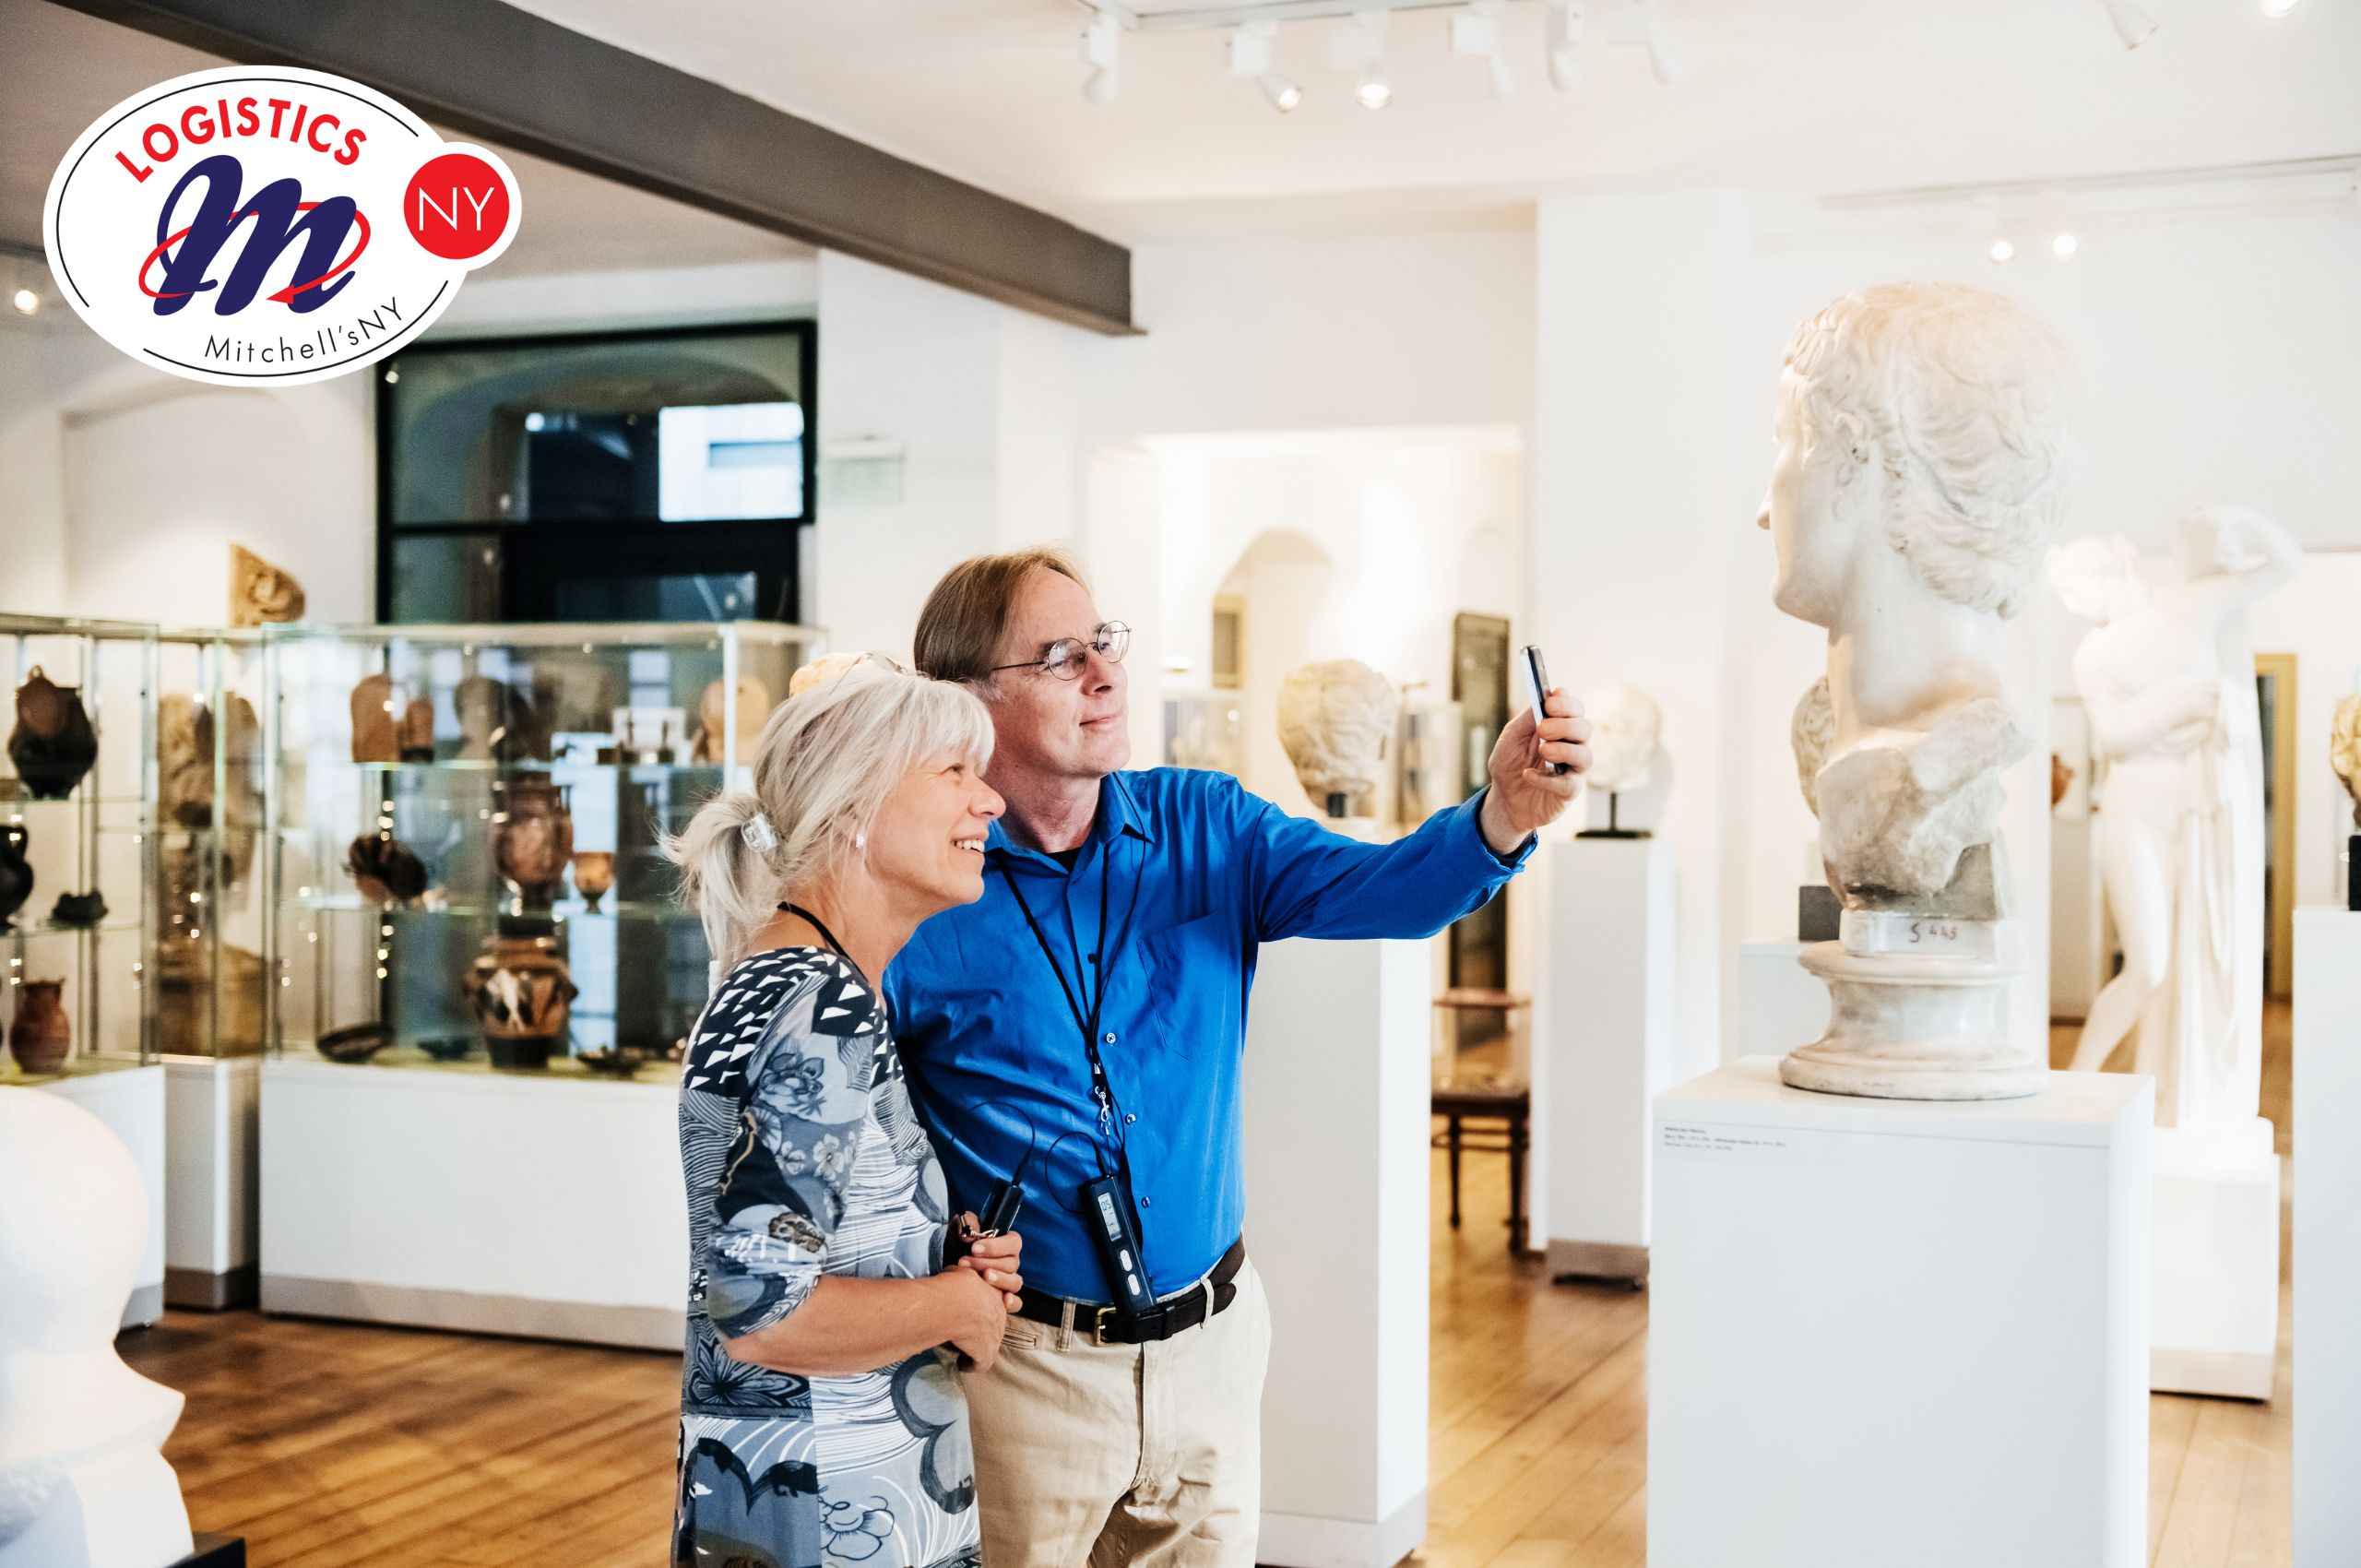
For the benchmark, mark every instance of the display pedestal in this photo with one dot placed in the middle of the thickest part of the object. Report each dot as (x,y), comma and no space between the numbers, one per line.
(496,1203)
(1892,1332)
(212,1180)
(2216,1301)
(1336,1097)
(1605,1043)
(1780,1005)
(130,1099)
(2327,1236)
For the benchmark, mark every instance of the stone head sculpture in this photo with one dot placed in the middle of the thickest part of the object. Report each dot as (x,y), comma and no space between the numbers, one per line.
(260,592)
(2344,748)
(1625,725)
(81,1477)
(1921,434)
(2099,579)
(1334,721)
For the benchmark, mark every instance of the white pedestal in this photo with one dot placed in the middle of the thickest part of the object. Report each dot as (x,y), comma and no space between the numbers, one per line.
(1780,1005)
(212,1180)
(1335,1115)
(2215,1306)
(496,1203)
(130,1101)
(2328,1237)
(1890,1332)
(1606,1040)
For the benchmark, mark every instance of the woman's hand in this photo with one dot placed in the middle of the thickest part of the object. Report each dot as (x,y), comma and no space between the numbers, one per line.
(980,1314)
(996,1258)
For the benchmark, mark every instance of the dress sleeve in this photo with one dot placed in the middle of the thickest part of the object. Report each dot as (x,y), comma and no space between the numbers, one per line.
(781,1196)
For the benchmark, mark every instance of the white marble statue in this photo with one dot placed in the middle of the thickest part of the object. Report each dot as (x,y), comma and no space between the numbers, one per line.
(2167,679)
(2344,749)
(1920,472)
(1625,723)
(82,1482)
(1334,719)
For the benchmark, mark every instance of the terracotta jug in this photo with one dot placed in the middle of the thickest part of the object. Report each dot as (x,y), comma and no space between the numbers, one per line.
(594,873)
(523,995)
(41,1036)
(15,871)
(532,837)
(53,743)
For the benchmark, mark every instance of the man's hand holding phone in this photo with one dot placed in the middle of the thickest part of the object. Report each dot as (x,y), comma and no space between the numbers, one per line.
(1538,765)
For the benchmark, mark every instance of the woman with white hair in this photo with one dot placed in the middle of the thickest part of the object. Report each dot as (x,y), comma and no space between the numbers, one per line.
(821,1422)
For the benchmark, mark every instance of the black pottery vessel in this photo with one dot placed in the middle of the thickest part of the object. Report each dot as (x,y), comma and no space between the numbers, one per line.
(53,743)
(15,873)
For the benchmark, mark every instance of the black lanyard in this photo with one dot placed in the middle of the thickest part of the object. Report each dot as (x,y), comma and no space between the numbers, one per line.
(1100,1089)
(808,918)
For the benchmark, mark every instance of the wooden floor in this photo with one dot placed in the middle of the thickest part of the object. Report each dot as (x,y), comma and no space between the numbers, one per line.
(334,1447)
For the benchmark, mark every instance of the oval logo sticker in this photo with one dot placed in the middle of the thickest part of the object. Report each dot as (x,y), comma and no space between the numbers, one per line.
(269,226)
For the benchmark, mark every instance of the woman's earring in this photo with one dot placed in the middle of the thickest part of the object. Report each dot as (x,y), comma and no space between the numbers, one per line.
(861,841)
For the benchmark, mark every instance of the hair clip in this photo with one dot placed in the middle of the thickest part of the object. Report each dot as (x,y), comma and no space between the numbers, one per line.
(758,833)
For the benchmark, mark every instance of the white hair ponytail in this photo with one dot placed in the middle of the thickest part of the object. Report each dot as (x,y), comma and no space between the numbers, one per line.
(824,764)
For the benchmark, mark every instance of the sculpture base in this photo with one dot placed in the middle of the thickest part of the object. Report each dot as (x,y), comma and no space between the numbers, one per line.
(1907,1027)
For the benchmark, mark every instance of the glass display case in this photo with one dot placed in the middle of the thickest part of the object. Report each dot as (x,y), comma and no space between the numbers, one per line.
(77,850)
(211,786)
(465,870)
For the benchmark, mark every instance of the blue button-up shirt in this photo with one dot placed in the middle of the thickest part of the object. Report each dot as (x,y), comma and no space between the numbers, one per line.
(1196,875)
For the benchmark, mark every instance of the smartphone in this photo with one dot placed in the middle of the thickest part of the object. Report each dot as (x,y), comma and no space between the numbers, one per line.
(1536,687)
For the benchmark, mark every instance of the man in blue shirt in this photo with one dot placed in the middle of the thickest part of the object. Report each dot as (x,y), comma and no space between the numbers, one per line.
(1084,1022)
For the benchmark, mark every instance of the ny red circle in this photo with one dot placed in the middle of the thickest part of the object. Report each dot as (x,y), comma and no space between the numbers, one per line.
(456,207)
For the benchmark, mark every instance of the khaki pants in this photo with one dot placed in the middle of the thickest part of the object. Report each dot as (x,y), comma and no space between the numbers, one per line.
(1111,1454)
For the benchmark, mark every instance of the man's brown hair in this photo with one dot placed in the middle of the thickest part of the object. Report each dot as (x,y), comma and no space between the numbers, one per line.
(959,630)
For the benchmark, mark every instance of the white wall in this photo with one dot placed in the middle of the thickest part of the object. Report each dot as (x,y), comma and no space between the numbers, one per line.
(129,485)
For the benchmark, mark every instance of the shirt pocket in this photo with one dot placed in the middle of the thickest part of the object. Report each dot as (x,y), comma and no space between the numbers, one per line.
(1192,983)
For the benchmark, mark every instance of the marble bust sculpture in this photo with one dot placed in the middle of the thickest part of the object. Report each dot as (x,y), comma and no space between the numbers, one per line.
(2167,679)
(2344,749)
(1336,717)
(1625,724)
(82,1482)
(1920,472)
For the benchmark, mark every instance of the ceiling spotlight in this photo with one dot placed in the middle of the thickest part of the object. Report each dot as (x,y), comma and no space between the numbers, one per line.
(26,301)
(1250,55)
(2064,246)
(1563,30)
(2277,8)
(2133,25)
(1358,46)
(1476,30)
(2002,252)
(1098,45)
(1640,22)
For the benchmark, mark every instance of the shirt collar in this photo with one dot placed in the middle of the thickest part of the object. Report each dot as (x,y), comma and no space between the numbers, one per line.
(1119,813)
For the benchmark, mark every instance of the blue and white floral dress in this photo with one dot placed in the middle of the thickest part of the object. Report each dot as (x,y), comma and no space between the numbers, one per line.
(803,1157)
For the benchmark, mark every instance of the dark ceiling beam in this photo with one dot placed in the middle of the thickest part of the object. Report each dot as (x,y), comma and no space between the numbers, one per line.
(487,69)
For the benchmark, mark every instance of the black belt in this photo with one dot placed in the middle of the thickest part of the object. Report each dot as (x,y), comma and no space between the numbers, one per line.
(1106,1325)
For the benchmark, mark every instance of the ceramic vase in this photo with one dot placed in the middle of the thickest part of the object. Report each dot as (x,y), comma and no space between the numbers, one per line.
(53,743)
(373,721)
(384,868)
(523,995)
(594,873)
(41,1037)
(15,871)
(532,837)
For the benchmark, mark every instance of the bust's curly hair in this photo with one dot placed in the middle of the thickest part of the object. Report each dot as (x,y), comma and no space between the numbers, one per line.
(1958,399)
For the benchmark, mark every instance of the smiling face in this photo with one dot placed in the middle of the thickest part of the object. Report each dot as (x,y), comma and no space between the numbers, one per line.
(1809,512)
(1045,727)
(927,841)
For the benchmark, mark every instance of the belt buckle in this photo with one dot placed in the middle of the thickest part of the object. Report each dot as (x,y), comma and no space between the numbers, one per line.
(1099,1324)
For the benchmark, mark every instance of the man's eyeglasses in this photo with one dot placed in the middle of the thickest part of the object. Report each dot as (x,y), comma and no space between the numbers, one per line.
(1066,658)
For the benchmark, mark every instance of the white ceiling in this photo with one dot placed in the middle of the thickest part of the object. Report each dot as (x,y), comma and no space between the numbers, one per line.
(59,70)
(1802,96)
